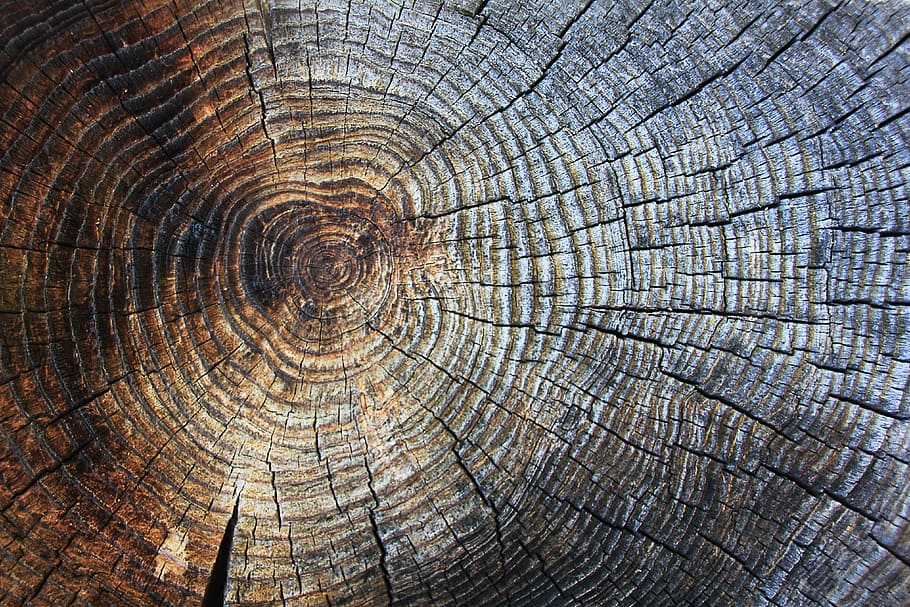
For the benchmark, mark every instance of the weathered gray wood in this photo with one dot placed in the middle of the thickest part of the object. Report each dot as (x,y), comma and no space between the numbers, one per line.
(474,303)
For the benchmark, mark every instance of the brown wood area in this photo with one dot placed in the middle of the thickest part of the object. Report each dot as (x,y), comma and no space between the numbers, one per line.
(350,302)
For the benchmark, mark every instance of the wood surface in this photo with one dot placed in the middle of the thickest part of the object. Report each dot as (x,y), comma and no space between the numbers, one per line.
(464,303)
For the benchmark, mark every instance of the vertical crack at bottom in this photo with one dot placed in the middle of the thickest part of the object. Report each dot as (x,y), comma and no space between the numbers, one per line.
(383,555)
(215,589)
(383,551)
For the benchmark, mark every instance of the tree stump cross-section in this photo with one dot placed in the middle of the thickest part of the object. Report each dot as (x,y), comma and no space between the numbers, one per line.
(454,302)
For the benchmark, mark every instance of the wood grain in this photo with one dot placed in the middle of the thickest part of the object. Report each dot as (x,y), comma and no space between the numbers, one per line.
(454,303)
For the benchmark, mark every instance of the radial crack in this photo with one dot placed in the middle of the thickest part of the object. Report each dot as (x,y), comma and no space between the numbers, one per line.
(383,550)
(214,591)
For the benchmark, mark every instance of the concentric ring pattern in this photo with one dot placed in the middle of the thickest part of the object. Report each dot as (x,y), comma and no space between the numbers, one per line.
(478,303)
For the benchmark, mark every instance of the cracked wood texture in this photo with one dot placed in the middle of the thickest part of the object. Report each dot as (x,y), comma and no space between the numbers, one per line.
(478,303)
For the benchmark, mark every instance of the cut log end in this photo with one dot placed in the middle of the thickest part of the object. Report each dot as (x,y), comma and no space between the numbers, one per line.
(454,303)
